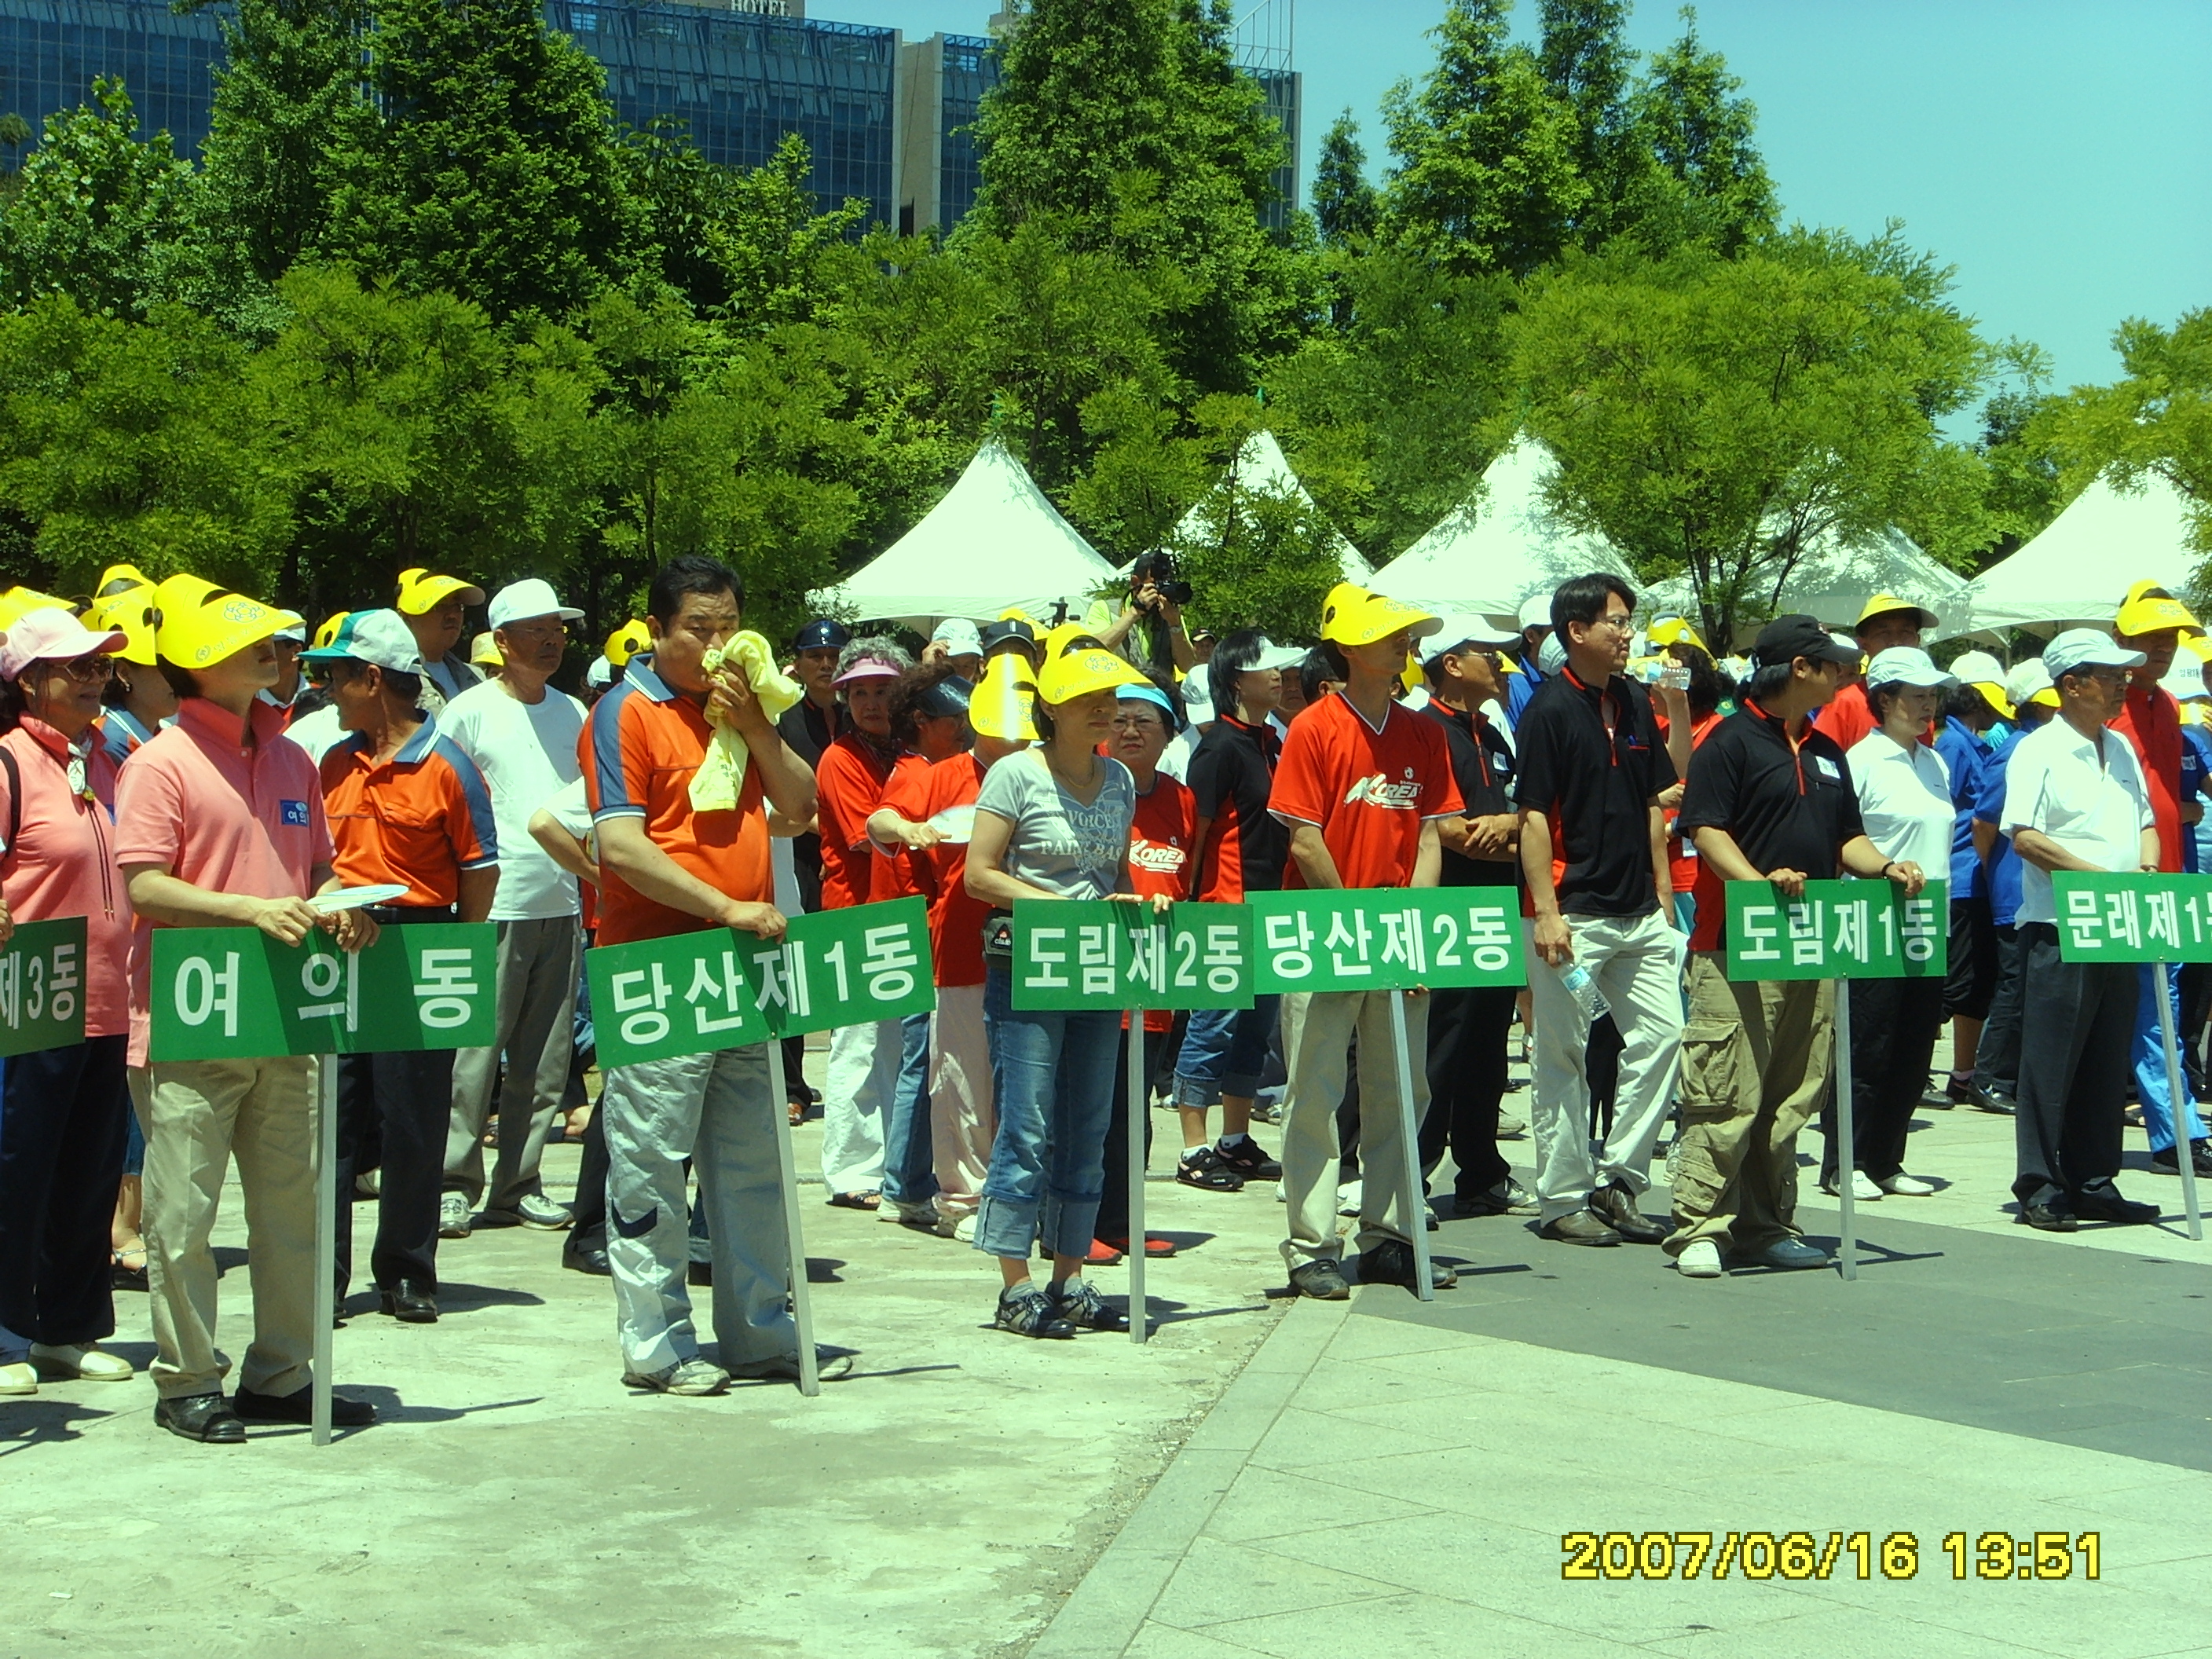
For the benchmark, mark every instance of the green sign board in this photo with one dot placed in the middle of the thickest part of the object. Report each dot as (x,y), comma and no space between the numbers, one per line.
(1379,938)
(2132,917)
(42,987)
(692,993)
(1838,930)
(1103,954)
(236,994)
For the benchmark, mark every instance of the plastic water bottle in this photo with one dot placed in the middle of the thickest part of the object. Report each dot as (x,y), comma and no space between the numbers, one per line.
(1583,989)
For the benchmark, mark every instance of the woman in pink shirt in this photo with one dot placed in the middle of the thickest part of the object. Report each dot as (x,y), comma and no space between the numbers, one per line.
(62,1111)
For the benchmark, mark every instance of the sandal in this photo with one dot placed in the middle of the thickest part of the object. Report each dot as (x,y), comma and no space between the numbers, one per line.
(1078,1303)
(121,1273)
(1028,1311)
(857,1201)
(797,1110)
(1156,1248)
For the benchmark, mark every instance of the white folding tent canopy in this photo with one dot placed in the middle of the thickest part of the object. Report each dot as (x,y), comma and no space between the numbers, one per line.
(1496,550)
(994,542)
(2080,568)
(1834,578)
(1260,466)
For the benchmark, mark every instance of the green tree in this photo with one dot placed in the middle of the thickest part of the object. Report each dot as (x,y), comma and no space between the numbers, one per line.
(133,441)
(493,175)
(2156,418)
(1344,203)
(1586,61)
(288,104)
(100,217)
(1716,416)
(1707,182)
(1486,176)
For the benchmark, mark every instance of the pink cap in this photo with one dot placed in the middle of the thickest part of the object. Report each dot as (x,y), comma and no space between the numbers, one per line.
(50,634)
(869,668)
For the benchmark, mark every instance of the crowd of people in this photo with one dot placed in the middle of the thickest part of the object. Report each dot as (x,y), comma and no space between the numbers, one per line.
(176,755)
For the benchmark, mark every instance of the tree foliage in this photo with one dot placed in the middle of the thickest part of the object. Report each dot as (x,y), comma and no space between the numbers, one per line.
(2156,418)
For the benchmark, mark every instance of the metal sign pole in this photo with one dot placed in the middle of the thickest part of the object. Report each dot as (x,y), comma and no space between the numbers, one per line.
(1140,1313)
(802,1311)
(1409,1131)
(1846,1147)
(326,1240)
(2184,1154)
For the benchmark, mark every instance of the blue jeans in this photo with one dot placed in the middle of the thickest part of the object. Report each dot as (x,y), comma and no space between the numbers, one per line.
(2149,1058)
(1052,1080)
(908,1178)
(1223,1052)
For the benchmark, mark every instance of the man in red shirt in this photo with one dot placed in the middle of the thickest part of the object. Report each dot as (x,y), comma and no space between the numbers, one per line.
(863,1073)
(2152,620)
(666,867)
(406,809)
(1362,784)
(1885,621)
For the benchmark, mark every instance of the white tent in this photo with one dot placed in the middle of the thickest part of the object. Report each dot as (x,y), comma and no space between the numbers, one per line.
(1262,467)
(1488,557)
(1833,579)
(2080,568)
(994,542)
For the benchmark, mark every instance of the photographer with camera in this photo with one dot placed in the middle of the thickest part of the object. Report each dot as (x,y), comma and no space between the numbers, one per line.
(1149,632)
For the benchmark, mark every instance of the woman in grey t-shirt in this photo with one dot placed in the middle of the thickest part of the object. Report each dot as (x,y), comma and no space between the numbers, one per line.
(1052,823)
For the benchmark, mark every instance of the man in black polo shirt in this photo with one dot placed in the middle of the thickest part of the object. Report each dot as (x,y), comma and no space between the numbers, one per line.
(1770,799)
(1468,1025)
(1594,850)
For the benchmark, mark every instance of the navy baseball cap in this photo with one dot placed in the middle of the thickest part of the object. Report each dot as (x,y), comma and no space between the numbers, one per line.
(823,634)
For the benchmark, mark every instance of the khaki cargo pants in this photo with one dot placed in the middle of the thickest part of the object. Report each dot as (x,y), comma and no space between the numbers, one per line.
(1755,1059)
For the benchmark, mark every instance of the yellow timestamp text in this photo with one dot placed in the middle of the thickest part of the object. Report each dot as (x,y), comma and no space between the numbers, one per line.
(2011,1557)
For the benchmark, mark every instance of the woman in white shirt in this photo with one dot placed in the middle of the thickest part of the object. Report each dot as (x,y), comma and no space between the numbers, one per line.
(1905,801)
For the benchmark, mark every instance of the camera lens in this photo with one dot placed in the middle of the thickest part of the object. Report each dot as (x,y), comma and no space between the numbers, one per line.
(1175,593)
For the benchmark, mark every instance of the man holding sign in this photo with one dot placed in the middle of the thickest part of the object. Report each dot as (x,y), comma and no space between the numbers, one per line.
(2074,800)
(1362,784)
(1769,798)
(669,868)
(219,824)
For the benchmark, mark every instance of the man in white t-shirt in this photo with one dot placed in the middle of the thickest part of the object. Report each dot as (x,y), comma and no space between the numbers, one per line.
(522,735)
(2074,800)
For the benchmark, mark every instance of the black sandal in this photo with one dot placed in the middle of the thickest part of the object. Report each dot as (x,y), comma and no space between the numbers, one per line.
(1080,1304)
(1028,1311)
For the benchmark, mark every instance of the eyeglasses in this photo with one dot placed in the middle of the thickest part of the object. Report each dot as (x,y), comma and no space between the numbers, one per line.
(88,670)
(1139,723)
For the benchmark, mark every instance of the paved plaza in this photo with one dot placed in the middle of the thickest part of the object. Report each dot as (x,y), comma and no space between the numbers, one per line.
(1264,1477)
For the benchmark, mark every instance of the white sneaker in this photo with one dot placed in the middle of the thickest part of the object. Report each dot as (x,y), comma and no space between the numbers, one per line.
(964,1230)
(546,1214)
(1510,1126)
(1863,1189)
(85,1361)
(1700,1259)
(922,1215)
(1348,1196)
(693,1376)
(1905,1186)
(453,1216)
(20,1378)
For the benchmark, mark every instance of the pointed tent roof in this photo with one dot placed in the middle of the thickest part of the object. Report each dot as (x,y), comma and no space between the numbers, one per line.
(2080,568)
(1260,466)
(994,542)
(1497,548)
(1834,578)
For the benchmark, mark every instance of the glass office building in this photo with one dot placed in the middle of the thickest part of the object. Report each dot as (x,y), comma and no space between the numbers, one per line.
(52,50)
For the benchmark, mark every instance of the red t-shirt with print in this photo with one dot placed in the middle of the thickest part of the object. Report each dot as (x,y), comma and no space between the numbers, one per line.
(1159,855)
(1368,790)
(956,919)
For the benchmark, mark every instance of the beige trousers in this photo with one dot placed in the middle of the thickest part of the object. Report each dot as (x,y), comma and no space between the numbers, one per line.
(963,1122)
(1755,1059)
(1317,1031)
(200,1115)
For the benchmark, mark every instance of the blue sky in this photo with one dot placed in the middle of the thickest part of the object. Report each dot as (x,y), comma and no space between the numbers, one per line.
(2057,153)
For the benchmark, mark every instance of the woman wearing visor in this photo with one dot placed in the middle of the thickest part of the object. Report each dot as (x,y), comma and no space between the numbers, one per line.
(62,1111)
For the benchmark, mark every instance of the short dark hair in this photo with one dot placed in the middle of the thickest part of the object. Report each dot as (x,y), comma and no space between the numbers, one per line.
(907,713)
(1767,678)
(1581,599)
(1323,662)
(689,573)
(1962,702)
(1235,655)
(1152,566)
(1709,687)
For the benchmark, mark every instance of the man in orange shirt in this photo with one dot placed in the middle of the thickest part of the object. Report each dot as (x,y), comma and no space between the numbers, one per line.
(406,809)
(1885,621)
(1362,784)
(667,868)
(2152,620)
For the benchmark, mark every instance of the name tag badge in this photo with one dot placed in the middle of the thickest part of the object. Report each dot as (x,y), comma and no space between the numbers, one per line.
(295,814)
(1828,768)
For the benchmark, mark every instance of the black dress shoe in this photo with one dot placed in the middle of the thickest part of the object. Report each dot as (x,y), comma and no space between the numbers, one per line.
(1393,1262)
(1615,1206)
(1322,1281)
(699,1272)
(410,1302)
(591,1258)
(1988,1100)
(2169,1161)
(299,1407)
(2103,1202)
(202,1417)
(2049,1217)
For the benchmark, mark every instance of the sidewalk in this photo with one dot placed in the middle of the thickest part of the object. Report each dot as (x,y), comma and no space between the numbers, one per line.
(1390,1477)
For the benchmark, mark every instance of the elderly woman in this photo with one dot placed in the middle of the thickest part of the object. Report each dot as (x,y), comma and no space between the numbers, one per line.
(1051,822)
(62,1111)
(1905,801)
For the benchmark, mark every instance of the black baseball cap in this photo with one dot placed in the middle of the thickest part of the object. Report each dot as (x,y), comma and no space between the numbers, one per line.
(998,636)
(823,634)
(1788,638)
(946,698)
